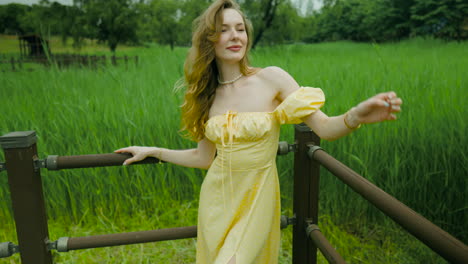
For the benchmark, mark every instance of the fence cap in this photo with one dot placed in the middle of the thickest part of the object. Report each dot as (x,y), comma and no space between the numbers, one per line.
(18,139)
(302,127)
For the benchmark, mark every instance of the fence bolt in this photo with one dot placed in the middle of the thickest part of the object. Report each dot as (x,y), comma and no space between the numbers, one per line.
(7,249)
(39,164)
(286,221)
(284,148)
(51,245)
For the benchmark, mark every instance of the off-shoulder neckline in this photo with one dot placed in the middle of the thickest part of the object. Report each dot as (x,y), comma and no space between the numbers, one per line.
(258,112)
(244,113)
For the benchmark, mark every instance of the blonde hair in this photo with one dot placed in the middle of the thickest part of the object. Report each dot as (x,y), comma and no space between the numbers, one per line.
(200,70)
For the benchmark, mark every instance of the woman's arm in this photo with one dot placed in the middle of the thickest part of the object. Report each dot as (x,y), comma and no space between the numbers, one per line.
(378,108)
(375,109)
(200,157)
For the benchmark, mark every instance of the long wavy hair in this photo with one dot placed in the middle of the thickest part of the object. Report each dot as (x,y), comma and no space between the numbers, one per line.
(200,70)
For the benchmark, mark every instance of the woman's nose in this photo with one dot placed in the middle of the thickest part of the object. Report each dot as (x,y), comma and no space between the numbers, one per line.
(234,34)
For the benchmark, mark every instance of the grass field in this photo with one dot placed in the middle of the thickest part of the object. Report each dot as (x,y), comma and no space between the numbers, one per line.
(9,44)
(420,159)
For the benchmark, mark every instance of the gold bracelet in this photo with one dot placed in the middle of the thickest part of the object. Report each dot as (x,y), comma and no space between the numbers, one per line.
(346,123)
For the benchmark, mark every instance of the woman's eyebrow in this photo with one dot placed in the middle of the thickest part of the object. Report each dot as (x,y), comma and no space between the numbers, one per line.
(238,24)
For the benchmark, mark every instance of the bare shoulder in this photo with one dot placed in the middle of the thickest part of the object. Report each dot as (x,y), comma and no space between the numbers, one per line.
(273,73)
(278,79)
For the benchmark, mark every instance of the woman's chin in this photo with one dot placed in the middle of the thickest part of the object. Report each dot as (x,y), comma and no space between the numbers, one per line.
(231,59)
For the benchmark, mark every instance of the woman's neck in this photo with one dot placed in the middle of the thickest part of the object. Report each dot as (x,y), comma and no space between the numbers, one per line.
(228,72)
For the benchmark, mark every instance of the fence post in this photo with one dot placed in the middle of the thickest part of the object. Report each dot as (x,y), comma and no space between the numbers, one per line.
(27,198)
(12,60)
(306,189)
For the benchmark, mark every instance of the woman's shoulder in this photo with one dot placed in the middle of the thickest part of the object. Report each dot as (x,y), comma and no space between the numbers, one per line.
(272,72)
(278,79)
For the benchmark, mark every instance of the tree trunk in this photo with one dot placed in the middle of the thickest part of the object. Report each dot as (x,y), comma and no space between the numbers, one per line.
(268,16)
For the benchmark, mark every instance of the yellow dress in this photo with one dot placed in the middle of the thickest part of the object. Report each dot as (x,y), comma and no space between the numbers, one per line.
(239,209)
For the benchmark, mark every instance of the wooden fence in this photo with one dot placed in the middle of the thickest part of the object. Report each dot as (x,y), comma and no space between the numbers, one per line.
(68,60)
(23,167)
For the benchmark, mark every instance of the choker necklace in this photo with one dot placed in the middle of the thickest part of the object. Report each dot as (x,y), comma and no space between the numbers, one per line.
(231,81)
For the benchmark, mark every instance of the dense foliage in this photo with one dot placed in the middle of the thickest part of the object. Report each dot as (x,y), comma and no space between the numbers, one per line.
(389,20)
(275,21)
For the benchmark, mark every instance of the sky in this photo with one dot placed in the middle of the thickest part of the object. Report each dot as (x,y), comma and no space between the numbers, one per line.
(303,5)
(30,2)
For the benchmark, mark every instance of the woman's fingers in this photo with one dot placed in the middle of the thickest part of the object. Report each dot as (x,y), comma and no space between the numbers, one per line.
(129,161)
(133,159)
(396,108)
(392,117)
(123,150)
(130,150)
(396,101)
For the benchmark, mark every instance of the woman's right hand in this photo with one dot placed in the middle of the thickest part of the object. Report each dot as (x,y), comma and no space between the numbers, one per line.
(139,153)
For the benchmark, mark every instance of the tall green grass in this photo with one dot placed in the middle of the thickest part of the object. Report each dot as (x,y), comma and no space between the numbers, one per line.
(420,159)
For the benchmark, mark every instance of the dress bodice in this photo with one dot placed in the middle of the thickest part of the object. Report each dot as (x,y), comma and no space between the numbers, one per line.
(238,127)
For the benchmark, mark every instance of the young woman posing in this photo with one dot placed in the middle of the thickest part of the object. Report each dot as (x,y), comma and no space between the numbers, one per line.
(235,111)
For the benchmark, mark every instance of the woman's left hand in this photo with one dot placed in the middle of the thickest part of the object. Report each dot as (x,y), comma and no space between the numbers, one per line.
(378,108)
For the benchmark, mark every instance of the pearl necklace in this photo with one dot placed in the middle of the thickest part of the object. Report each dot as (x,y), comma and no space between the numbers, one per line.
(230,81)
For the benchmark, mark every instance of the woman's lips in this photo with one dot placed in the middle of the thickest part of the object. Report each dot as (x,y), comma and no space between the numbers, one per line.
(234,48)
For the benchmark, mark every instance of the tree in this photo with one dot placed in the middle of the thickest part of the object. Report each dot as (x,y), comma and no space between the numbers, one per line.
(361,20)
(165,19)
(287,26)
(111,21)
(190,9)
(10,15)
(441,18)
(262,14)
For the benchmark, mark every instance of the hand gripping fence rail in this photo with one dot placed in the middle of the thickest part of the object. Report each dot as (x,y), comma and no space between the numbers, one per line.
(24,167)
(54,162)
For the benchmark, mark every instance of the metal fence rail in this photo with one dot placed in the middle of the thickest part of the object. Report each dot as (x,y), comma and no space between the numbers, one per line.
(323,245)
(434,237)
(24,179)
(90,161)
(65,244)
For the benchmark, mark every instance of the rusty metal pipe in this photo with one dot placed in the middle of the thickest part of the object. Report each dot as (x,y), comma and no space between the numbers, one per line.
(65,244)
(92,160)
(323,245)
(74,243)
(434,237)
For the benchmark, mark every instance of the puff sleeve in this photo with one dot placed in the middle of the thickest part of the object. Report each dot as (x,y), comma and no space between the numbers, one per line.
(299,104)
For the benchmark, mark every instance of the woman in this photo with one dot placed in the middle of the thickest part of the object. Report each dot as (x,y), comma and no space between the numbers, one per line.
(235,111)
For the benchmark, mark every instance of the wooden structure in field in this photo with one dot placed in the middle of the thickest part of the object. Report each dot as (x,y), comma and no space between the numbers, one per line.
(33,46)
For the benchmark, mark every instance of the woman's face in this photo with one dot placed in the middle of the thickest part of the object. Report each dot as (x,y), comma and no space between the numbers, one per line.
(232,44)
